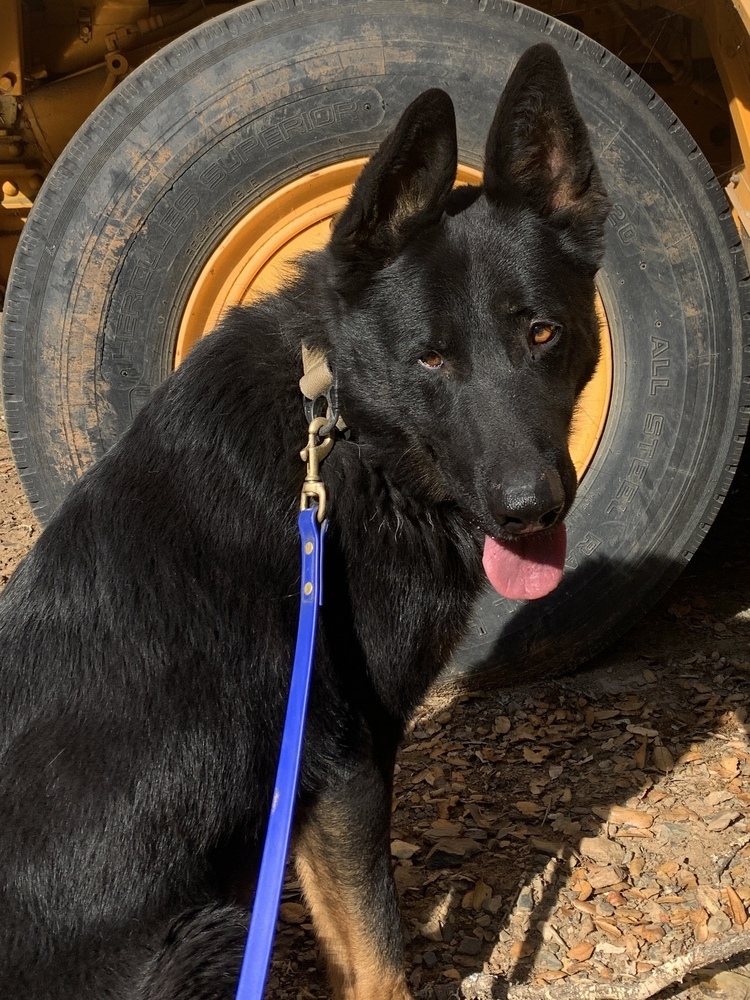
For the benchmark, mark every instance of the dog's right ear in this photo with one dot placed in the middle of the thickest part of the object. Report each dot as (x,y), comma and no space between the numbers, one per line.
(400,191)
(538,150)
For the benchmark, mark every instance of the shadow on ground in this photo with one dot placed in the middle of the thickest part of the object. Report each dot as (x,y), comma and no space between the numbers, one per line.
(589,828)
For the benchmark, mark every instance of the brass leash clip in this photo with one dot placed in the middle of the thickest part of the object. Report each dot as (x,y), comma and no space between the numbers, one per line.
(313,488)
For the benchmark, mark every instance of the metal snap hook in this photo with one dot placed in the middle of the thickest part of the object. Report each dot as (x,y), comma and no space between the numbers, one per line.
(313,487)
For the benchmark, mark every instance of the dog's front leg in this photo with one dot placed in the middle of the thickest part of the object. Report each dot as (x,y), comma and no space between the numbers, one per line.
(343,860)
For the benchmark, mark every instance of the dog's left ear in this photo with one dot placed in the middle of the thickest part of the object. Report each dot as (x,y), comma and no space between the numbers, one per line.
(400,191)
(538,149)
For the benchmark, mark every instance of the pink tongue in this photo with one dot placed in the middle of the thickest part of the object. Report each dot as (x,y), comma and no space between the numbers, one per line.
(528,567)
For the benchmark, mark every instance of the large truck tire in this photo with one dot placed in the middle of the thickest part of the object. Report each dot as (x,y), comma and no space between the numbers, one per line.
(230,149)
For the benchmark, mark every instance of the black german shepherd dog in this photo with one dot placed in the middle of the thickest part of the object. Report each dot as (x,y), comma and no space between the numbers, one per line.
(146,641)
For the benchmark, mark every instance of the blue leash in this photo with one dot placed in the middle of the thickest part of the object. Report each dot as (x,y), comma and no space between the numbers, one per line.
(257,956)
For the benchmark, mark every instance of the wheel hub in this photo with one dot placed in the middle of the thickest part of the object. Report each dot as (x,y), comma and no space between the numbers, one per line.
(257,255)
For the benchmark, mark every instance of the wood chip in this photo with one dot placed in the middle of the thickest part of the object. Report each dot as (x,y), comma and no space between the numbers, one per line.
(441,829)
(602,849)
(293,913)
(455,761)
(603,876)
(717,797)
(725,819)
(729,767)
(734,906)
(453,851)
(651,933)
(677,815)
(702,933)
(616,899)
(531,809)
(584,906)
(636,866)
(585,890)
(502,725)
(621,816)
(708,896)
(668,868)
(550,975)
(475,898)
(403,851)
(605,948)
(521,949)
(698,917)
(581,952)
(662,759)
(607,927)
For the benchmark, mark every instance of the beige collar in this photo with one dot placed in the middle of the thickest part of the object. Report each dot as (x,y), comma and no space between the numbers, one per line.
(317,377)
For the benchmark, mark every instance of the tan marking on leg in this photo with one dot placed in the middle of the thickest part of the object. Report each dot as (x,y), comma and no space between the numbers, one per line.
(356,967)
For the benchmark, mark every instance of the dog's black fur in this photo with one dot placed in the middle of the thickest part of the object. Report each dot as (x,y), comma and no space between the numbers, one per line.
(146,640)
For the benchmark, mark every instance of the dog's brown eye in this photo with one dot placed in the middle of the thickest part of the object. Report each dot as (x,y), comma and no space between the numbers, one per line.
(431,360)
(544,332)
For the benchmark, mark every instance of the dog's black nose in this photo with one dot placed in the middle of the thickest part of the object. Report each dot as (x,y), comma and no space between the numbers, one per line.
(529,504)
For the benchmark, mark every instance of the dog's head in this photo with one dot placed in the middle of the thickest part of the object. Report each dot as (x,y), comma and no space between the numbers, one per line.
(464,319)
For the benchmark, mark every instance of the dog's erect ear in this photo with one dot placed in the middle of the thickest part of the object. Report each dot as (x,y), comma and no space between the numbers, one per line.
(538,148)
(401,189)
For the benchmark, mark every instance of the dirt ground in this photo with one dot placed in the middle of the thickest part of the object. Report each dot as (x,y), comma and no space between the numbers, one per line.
(576,836)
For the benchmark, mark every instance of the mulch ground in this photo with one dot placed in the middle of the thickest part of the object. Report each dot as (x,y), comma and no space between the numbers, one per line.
(588,830)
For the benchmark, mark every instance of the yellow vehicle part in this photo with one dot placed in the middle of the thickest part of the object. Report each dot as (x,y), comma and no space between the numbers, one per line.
(727,25)
(258,254)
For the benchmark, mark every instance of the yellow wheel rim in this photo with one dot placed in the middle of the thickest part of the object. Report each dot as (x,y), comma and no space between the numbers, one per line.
(257,255)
